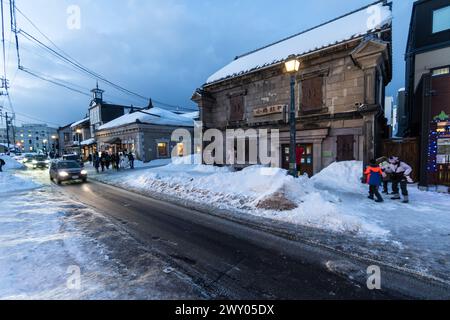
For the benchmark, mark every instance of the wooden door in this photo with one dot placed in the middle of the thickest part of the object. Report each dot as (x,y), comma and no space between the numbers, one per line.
(345,148)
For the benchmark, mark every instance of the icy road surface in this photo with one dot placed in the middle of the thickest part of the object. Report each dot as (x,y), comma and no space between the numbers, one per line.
(46,237)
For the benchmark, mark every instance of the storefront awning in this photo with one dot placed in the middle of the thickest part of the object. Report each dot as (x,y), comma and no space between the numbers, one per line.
(88,142)
(114,141)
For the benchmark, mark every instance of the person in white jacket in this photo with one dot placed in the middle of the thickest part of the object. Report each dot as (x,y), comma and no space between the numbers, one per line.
(400,175)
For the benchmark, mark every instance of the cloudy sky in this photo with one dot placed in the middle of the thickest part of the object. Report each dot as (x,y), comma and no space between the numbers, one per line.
(162,49)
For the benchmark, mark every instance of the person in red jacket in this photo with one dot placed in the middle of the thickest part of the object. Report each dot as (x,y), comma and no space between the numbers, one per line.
(374,178)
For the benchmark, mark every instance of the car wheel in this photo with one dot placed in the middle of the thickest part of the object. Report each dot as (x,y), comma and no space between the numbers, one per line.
(58,181)
(84,180)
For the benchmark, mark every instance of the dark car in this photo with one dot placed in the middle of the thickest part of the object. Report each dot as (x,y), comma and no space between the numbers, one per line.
(73,157)
(67,171)
(40,161)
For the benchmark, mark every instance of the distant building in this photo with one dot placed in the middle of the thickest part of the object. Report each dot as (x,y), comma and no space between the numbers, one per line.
(402,117)
(388,109)
(428,88)
(36,138)
(147,133)
(65,140)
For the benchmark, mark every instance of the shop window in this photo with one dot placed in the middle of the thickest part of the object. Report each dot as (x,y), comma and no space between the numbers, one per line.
(440,71)
(441,19)
(162,150)
(180,149)
(237,108)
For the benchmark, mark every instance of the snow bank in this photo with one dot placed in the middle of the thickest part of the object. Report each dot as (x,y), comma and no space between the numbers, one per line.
(11,164)
(256,190)
(10,183)
(341,176)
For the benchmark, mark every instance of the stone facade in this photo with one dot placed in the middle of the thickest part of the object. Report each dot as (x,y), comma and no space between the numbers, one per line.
(340,91)
(146,141)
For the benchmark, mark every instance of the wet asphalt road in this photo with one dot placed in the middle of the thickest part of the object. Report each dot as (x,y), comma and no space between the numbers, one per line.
(225,259)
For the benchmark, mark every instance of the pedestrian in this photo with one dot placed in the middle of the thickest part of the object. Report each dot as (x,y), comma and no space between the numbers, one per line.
(117,160)
(400,175)
(107,160)
(90,158)
(131,160)
(385,166)
(374,177)
(103,161)
(2,163)
(96,161)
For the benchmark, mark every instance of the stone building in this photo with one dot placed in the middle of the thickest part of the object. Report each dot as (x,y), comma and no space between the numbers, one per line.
(345,66)
(147,133)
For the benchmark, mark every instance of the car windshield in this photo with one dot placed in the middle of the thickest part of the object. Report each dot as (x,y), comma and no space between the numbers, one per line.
(68,165)
(72,158)
(40,158)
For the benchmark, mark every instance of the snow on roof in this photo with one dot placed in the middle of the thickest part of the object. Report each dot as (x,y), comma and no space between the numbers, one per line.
(155,115)
(76,124)
(191,115)
(355,24)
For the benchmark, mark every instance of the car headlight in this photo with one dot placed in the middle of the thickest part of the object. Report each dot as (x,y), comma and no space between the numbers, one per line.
(63,174)
(47,161)
(84,172)
(34,162)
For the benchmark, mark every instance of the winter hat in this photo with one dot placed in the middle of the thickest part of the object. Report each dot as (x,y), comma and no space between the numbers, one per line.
(393,159)
(373,162)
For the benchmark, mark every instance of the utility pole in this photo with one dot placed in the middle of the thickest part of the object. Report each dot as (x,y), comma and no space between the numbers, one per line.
(7,131)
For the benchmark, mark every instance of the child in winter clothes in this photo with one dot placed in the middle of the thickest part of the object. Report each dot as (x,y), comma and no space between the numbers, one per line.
(374,178)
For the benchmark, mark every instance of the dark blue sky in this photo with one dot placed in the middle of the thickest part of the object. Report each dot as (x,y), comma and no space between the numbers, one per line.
(163,49)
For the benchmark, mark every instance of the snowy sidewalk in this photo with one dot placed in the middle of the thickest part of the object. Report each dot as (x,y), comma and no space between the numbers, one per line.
(45,237)
(334,203)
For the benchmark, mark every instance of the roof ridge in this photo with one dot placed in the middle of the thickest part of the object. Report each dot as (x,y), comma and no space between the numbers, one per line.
(310,29)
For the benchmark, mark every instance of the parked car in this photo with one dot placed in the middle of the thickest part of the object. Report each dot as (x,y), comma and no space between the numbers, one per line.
(73,157)
(40,162)
(28,157)
(67,170)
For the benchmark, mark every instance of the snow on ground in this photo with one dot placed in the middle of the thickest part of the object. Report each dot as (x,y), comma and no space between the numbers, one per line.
(256,190)
(414,236)
(11,164)
(44,236)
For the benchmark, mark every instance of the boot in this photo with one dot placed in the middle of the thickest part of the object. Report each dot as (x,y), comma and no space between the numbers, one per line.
(405,199)
(370,197)
(379,200)
(396,196)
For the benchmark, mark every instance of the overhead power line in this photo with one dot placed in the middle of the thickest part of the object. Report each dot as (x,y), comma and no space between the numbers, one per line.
(59,53)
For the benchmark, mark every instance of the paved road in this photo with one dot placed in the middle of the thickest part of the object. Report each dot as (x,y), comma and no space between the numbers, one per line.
(226,259)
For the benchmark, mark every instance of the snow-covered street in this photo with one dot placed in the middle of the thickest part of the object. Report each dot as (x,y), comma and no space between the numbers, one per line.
(332,206)
(46,238)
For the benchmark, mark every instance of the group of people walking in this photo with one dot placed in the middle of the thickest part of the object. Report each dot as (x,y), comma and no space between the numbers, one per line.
(388,170)
(116,161)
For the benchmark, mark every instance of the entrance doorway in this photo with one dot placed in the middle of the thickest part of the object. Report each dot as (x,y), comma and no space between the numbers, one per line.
(305,164)
(345,148)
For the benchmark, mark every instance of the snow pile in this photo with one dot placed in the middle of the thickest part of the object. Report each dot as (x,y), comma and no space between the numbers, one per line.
(11,164)
(256,190)
(359,23)
(10,183)
(341,176)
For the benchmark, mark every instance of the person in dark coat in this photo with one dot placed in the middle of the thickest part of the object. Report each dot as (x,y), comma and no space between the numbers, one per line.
(103,161)
(96,161)
(2,163)
(117,161)
(131,159)
(107,160)
(374,178)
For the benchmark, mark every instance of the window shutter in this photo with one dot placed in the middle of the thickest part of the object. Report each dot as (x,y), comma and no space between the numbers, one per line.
(312,94)
(237,108)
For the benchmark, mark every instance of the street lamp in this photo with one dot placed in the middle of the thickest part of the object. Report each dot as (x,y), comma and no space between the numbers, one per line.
(79,139)
(292,65)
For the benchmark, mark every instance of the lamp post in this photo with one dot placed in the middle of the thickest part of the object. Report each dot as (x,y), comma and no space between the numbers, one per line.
(292,66)
(79,139)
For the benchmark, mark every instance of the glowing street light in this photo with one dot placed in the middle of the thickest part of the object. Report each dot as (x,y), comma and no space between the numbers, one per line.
(292,66)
